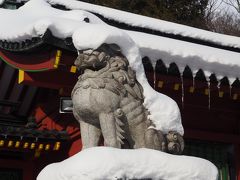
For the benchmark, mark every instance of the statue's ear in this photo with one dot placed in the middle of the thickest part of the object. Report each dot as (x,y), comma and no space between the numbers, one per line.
(115,47)
(111,47)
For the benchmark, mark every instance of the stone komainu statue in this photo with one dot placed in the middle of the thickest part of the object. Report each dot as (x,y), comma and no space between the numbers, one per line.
(108,101)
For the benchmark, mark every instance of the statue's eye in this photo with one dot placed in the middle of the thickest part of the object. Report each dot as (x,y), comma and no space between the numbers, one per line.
(95,53)
(175,137)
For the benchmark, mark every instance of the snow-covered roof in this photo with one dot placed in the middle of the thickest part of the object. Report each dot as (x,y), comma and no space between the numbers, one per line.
(152,23)
(28,22)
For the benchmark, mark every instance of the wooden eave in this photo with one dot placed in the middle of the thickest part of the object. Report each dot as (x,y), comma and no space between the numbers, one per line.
(23,139)
(36,43)
(31,133)
(31,62)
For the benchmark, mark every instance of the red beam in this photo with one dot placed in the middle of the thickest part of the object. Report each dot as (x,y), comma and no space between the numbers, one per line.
(49,79)
(40,60)
(32,61)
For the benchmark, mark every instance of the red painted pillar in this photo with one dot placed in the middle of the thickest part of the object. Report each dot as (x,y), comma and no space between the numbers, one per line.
(237,160)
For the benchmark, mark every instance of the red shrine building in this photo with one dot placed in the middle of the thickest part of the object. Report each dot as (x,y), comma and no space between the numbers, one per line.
(37,75)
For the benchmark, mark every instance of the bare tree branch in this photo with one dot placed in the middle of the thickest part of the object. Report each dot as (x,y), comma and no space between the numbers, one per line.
(211,10)
(233,3)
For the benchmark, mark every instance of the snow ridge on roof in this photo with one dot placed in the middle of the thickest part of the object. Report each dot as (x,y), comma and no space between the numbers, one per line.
(152,23)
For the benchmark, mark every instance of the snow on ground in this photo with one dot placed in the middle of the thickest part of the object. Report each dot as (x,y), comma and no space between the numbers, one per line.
(109,163)
(151,23)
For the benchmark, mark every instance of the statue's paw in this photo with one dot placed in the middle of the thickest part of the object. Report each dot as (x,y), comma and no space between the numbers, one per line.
(174,148)
(175,142)
(155,139)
